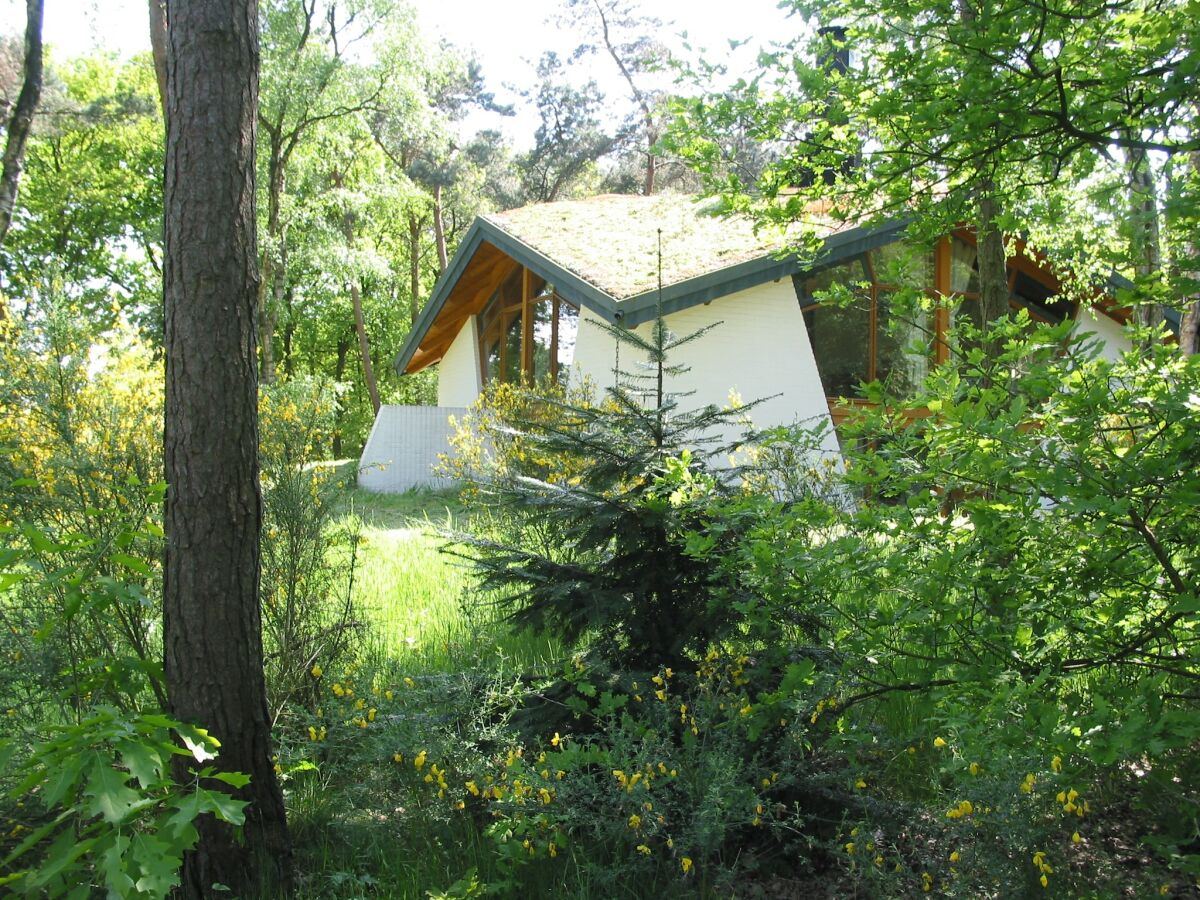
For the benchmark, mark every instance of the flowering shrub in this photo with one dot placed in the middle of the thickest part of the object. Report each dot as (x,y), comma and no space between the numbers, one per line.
(309,554)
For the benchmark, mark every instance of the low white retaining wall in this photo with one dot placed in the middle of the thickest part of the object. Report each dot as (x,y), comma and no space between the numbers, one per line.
(403,448)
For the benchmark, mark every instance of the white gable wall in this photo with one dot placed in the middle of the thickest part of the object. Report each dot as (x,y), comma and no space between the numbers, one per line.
(1113,337)
(759,350)
(458,372)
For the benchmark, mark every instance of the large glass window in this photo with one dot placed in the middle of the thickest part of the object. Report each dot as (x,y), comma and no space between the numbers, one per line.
(838,320)
(858,332)
(902,338)
(514,350)
(884,316)
(964,272)
(567,322)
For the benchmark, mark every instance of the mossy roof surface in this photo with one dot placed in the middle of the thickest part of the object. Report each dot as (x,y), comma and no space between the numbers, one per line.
(611,241)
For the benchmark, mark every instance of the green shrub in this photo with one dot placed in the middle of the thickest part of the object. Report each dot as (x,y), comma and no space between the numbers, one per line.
(309,551)
(97,807)
(615,489)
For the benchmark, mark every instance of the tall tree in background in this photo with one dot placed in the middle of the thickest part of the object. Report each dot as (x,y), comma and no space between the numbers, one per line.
(616,28)
(212,637)
(570,138)
(308,82)
(20,121)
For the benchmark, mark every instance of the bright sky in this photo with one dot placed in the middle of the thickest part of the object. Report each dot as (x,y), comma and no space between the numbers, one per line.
(507,36)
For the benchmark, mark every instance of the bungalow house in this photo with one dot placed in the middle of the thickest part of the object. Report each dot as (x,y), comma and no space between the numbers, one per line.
(525,291)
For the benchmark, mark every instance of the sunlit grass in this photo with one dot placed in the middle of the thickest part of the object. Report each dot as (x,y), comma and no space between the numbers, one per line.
(421,605)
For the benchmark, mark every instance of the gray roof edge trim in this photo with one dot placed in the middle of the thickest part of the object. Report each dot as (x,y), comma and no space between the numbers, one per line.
(570,286)
(731,279)
(705,288)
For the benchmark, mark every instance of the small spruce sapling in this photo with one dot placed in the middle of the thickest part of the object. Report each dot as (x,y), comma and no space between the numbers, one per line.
(624,579)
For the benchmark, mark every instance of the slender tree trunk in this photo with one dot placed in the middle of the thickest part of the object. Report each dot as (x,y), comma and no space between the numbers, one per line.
(360,324)
(439,229)
(639,97)
(339,372)
(993,263)
(1145,241)
(274,262)
(266,324)
(364,346)
(289,334)
(21,122)
(1189,328)
(212,638)
(414,266)
(158,47)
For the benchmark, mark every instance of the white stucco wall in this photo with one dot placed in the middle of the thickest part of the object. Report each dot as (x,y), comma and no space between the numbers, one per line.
(1112,334)
(760,350)
(403,447)
(458,372)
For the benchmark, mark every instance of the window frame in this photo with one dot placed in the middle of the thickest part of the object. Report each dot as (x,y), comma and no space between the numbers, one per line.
(513,300)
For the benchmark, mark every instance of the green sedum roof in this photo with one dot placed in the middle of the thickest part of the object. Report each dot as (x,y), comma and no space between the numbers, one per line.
(611,241)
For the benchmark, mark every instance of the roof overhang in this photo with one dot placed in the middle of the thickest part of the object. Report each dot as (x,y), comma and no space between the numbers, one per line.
(488,252)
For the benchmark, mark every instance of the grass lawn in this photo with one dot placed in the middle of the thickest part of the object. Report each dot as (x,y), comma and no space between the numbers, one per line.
(419,601)
(359,830)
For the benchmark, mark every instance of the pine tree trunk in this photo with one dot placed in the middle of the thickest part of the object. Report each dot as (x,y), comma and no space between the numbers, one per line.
(158,47)
(266,323)
(289,334)
(439,229)
(339,372)
(414,266)
(274,261)
(364,347)
(212,638)
(19,124)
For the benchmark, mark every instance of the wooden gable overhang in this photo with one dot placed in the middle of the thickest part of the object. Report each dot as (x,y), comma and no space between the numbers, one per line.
(484,259)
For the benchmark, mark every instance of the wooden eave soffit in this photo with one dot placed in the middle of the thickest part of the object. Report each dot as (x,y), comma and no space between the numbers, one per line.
(484,273)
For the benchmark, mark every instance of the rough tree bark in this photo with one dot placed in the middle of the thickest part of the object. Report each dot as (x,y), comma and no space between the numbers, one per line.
(993,276)
(414,266)
(439,229)
(21,121)
(158,47)
(212,640)
(1189,327)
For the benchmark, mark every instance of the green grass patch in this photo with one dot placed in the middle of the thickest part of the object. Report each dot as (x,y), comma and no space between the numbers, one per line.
(420,604)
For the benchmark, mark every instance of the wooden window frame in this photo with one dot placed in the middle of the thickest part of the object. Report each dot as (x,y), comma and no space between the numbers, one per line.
(532,291)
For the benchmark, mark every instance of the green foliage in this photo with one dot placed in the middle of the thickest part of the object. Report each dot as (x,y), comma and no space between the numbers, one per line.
(619,488)
(90,204)
(309,552)
(91,789)
(1017,580)
(80,495)
(97,807)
